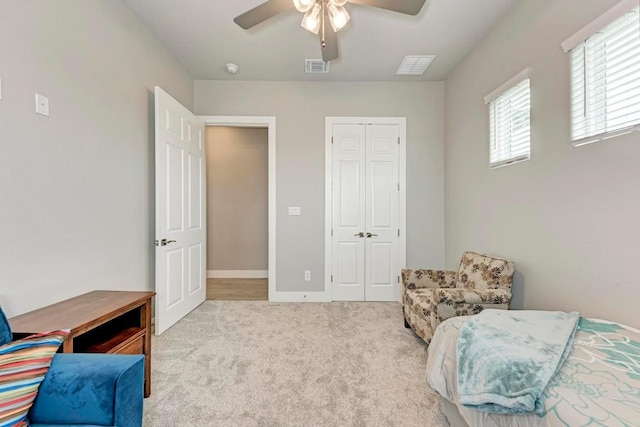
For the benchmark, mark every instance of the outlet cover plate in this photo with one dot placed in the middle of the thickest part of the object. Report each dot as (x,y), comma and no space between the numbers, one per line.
(42,105)
(295,211)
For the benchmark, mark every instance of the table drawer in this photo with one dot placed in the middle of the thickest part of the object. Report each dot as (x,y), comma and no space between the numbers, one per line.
(134,347)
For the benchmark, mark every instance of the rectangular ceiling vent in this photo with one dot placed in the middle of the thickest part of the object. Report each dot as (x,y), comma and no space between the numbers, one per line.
(316,66)
(415,65)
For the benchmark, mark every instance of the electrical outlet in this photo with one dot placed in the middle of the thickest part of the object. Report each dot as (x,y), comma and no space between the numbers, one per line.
(307,275)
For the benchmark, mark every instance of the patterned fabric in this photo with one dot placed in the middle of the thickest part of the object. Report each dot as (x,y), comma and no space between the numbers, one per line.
(484,272)
(598,384)
(432,296)
(425,309)
(417,279)
(23,366)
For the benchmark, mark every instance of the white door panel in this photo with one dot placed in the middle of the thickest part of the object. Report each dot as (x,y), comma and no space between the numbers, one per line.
(175,277)
(365,198)
(195,192)
(195,268)
(180,209)
(348,213)
(382,203)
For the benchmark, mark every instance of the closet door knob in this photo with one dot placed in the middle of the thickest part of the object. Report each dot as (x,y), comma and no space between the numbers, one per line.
(360,234)
(369,235)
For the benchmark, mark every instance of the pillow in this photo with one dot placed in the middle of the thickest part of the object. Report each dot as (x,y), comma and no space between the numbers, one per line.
(23,366)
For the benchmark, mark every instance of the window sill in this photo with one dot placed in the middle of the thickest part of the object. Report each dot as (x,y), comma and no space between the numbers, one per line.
(605,136)
(509,162)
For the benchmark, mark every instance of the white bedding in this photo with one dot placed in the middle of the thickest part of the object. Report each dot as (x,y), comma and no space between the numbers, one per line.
(598,385)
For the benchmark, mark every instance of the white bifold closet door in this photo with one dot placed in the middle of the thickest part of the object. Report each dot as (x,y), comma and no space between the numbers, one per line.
(365,205)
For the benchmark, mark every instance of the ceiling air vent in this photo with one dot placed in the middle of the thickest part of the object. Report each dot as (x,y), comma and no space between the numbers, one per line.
(415,65)
(315,66)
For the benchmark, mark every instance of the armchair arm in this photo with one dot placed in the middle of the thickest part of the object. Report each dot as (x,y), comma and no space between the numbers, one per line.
(472,296)
(414,279)
(94,389)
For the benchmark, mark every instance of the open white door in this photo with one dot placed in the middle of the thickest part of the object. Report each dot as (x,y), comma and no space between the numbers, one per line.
(180,212)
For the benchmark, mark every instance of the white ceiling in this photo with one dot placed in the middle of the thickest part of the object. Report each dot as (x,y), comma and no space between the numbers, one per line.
(201,34)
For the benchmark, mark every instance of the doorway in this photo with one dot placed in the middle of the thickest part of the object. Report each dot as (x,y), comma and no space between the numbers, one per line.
(365,217)
(237,213)
(249,278)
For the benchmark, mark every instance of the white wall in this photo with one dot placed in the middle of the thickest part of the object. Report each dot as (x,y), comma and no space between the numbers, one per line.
(76,189)
(300,109)
(569,216)
(237,198)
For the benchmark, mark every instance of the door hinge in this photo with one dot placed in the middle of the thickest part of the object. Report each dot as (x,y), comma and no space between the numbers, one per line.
(398,186)
(398,279)
(398,140)
(332,140)
(332,278)
(332,231)
(398,232)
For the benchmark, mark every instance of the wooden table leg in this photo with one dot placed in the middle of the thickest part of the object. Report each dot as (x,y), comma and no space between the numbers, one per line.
(146,321)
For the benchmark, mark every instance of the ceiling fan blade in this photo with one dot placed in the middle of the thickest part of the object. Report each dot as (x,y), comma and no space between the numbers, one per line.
(261,13)
(409,7)
(330,45)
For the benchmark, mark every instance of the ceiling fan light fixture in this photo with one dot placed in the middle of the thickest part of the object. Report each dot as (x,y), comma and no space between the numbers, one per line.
(303,5)
(338,16)
(311,19)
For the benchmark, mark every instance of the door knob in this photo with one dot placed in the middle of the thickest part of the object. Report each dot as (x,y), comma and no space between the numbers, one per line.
(165,242)
(369,235)
(360,234)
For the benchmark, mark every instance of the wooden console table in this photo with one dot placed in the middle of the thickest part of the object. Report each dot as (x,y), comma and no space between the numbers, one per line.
(100,322)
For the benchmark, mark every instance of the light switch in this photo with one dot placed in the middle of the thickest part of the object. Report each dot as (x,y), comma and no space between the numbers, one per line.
(294,211)
(42,105)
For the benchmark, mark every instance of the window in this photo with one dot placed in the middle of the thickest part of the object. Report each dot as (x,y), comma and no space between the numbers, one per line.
(605,76)
(509,119)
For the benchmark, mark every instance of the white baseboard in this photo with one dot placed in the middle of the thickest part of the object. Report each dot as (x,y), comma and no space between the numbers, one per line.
(237,274)
(299,297)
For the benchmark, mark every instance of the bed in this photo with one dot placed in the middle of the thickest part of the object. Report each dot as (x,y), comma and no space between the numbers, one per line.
(597,385)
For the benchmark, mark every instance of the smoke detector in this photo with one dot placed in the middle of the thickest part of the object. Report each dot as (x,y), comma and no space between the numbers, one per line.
(231,68)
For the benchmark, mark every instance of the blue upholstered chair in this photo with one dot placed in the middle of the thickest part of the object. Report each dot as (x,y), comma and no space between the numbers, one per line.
(87,389)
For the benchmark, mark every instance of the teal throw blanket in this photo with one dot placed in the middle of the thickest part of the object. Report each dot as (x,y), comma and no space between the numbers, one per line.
(507,358)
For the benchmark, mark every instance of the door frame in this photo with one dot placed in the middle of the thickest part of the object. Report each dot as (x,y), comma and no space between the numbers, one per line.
(328,179)
(268,122)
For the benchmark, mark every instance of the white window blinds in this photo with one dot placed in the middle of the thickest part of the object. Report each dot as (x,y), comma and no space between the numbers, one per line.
(510,126)
(605,81)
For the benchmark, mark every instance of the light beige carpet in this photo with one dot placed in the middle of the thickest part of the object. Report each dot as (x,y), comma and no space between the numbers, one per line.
(231,363)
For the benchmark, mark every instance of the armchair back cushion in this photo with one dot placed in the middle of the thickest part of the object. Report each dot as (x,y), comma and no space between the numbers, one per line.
(483,272)
(5,329)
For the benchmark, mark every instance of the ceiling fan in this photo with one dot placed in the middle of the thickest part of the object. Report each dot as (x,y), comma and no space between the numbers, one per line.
(318,12)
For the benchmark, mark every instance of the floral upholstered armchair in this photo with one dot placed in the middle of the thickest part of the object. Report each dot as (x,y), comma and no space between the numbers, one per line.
(431,296)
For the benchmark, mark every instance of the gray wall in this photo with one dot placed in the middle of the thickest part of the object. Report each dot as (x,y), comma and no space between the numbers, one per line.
(569,216)
(237,198)
(76,189)
(300,109)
